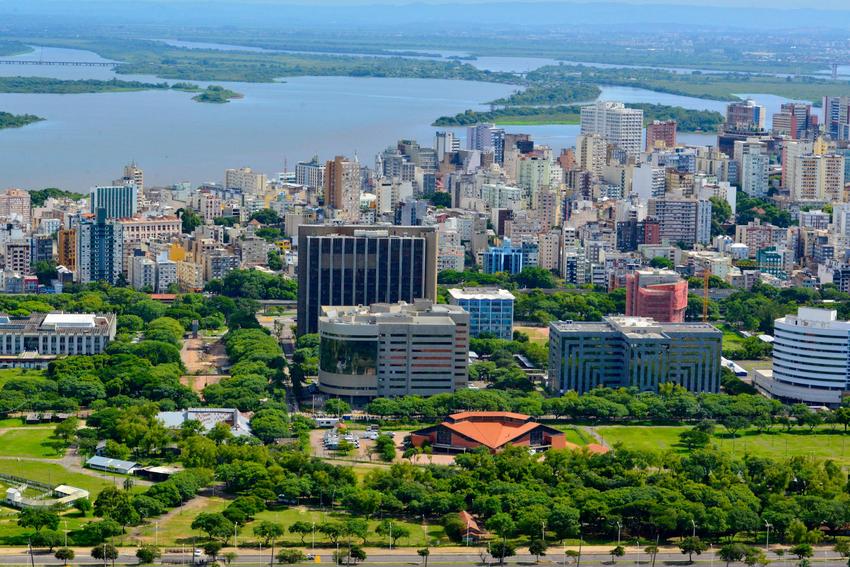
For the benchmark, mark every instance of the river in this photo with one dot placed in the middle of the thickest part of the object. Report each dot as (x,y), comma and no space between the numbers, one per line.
(87,138)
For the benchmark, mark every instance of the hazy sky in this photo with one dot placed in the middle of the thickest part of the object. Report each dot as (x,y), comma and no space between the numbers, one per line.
(766,4)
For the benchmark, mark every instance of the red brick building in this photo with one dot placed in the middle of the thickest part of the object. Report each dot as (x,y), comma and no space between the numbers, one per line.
(659,294)
(469,430)
(661,134)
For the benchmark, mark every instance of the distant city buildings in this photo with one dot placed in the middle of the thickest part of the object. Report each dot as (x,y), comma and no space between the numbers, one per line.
(619,125)
(117,201)
(491,310)
(660,134)
(661,295)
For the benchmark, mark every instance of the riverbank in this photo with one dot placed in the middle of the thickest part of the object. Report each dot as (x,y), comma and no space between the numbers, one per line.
(8,120)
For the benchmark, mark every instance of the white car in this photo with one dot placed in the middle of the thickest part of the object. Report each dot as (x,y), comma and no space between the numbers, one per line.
(197,553)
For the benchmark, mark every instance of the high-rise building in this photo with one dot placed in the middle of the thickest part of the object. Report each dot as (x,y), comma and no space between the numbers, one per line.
(811,355)
(100,250)
(244,179)
(390,350)
(17,257)
(41,248)
(15,205)
(795,120)
(310,173)
(342,187)
(745,115)
(133,175)
(754,167)
(509,258)
(491,310)
(66,245)
(658,294)
(362,265)
(445,143)
(487,138)
(591,153)
(818,178)
(117,201)
(619,125)
(633,352)
(836,117)
(685,221)
(660,134)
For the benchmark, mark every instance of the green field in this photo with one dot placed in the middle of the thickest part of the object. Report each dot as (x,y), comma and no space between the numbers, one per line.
(822,444)
(32,442)
(731,338)
(12,534)
(176,530)
(7,374)
(575,435)
(53,474)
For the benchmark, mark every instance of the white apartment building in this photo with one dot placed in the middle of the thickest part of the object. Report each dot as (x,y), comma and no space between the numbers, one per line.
(818,178)
(144,229)
(754,161)
(501,196)
(620,126)
(245,180)
(15,205)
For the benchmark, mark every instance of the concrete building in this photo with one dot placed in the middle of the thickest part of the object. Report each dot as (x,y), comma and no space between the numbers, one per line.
(591,153)
(66,248)
(491,310)
(745,115)
(362,265)
(818,178)
(145,229)
(633,352)
(509,258)
(17,256)
(15,205)
(342,187)
(757,235)
(682,220)
(660,134)
(143,272)
(754,167)
(310,173)
(100,250)
(811,359)
(119,201)
(245,180)
(501,196)
(661,295)
(57,333)
(619,125)
(836,117)
(393,350)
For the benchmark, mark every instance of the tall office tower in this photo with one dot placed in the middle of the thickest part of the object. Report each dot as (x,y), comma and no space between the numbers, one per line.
(100,250)
(795,120)
(633,352)
(118,201)
(660,134)
(310,173)
(445,143)
(397,349)
(487,138)
(591,153)
(244,179)
(133,175)
(745,115)
(66,245)
(753,161)
(791,150)
(686,221)
(619,125)
(17,256)
(658,294)
(342,187)
(818,178)
(836,117)
(360,265)
(15,205)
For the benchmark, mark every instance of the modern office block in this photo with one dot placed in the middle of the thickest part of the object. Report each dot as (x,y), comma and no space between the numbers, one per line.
(393,350)
(57,333)
(657,294)
(509,258)
(119,201)
(100,250)
(633,352)
(619,125)
(362,265)
(491,310)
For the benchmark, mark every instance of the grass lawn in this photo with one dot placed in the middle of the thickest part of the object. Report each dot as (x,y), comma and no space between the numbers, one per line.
(53,474)
(538,335)
(575,434)
(7,374)
(176,530)
(822,443)
(13,534)
(30,443)
(731,338)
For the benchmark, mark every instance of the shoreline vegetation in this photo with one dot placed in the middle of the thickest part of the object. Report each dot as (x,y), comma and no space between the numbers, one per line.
(12,48)
(44,85)
(8,120)
(688,120)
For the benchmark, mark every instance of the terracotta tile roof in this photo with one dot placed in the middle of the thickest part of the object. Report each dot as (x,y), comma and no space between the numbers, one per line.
(489,433)
(473,414)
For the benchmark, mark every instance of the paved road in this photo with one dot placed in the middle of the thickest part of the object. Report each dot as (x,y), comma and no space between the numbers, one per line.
(554,558)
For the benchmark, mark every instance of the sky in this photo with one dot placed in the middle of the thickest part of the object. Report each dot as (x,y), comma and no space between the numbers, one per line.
(766,4)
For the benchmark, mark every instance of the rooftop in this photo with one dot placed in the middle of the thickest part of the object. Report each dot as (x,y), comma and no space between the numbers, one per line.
(491,293)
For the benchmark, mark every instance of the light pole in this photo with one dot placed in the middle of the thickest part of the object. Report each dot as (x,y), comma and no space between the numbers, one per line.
(767,526)
(156,533)
(235,530)
(313,547)
(66,533)
(543,531)
(694,524)
(619,527)
(637,544)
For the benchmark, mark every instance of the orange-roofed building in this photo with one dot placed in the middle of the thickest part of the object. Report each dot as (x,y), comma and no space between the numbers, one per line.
(470,430)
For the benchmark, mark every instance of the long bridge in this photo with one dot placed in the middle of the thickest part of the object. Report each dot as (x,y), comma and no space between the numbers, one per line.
(57,63)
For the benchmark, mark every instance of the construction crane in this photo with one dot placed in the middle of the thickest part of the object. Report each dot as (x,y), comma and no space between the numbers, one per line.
(706,274)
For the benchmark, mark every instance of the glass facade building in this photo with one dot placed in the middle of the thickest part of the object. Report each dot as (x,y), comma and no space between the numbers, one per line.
(491,310)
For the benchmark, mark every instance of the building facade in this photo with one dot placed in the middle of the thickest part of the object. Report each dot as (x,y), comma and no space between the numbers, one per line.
(491,310)
(362,265)
(100,250)
(633,352)
(393,350)
(119,201)
(57,333)
(619,125)
(661,295)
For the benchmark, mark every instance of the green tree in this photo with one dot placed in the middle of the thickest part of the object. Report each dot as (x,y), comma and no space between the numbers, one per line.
(290,556)
(661,262)
(190,220)
(38,518)
(755,556)
(802,550)
(337,407)
(148,554)
(67,429)
(393,531)
(214,524)
(64,554)
(616,552)
(732,552)
(502,549)
(385,447)
(212,549)
(424,553)
(268,531)
(537,547)
(692,545)
(301,528)
(105,552)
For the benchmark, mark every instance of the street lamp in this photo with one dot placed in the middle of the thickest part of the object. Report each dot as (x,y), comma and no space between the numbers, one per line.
(619,527)
(767,526)
(694,532)
(543,530)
